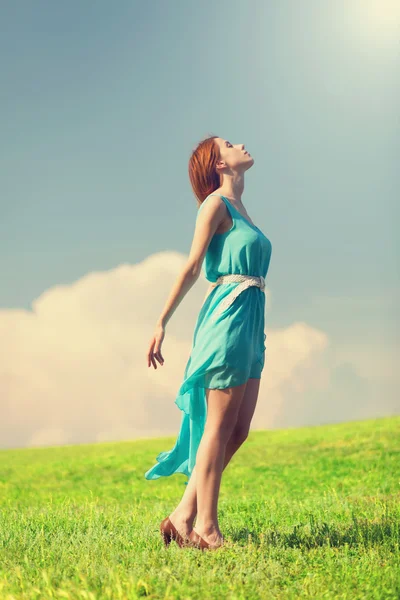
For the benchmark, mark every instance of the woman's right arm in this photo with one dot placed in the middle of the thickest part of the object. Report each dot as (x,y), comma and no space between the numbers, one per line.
(207,222)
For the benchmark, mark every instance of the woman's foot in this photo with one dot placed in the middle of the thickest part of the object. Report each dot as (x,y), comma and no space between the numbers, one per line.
(213,537)
(183,525)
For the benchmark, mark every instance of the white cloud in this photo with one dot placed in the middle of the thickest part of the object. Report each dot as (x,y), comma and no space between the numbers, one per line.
(74,369)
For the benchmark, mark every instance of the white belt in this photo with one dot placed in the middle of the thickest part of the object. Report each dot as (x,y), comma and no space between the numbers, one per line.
(245,282)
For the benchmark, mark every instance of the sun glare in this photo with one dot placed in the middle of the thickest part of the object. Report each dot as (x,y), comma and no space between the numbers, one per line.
(378,21)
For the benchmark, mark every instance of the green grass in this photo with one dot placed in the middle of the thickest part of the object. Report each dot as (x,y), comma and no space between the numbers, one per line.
(310,512)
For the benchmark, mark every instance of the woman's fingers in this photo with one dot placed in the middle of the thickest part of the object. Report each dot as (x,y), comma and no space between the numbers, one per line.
(159,357)
(152,356)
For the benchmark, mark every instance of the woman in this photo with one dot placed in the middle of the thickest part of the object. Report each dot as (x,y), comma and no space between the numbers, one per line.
(222,377)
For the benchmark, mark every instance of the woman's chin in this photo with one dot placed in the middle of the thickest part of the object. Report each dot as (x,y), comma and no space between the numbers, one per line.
(251,162)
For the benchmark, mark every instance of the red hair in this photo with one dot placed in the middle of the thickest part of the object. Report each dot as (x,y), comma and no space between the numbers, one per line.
(203,175)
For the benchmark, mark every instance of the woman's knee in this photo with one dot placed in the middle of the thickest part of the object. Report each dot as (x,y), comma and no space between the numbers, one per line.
(223,409)
(221,428)
(239,435)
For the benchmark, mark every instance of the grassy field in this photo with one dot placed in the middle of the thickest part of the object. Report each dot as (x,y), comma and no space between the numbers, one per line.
(310,512)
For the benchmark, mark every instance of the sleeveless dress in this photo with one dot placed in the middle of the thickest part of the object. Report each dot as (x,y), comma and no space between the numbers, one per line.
(227,350)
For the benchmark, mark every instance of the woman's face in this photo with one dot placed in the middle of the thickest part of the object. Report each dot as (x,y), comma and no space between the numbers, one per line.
(233,156)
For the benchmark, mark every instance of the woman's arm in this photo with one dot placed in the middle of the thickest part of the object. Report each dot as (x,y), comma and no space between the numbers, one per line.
(185,280)
(207,222)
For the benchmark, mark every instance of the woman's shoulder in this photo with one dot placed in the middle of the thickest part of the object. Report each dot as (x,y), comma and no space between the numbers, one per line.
(214,198)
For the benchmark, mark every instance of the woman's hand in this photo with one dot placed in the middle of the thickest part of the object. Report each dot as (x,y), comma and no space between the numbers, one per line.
(155,347)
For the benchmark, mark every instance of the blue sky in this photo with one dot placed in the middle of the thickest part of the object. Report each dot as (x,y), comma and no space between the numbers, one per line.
(102,104)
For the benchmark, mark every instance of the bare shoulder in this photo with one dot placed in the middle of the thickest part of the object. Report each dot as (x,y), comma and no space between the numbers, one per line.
(209,217)
(212,205)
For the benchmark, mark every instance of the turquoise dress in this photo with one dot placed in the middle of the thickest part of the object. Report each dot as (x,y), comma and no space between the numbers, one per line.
(226,351)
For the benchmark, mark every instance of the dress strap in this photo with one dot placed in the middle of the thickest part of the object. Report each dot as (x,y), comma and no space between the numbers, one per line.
(205,200)
(226,202)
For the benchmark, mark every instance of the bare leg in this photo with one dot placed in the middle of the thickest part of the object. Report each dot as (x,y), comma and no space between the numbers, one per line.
(185,513)
(222,412)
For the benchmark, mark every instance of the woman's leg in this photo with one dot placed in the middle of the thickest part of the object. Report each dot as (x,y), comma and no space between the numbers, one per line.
(185,513)
(222,412)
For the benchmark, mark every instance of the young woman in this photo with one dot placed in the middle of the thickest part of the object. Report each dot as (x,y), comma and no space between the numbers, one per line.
(219,392)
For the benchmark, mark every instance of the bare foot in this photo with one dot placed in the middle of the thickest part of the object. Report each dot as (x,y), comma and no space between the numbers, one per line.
(214,538)
(182,525)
